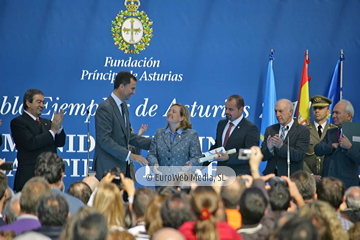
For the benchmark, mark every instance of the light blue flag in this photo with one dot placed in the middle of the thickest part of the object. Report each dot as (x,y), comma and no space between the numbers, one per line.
(268,115)
(334,88)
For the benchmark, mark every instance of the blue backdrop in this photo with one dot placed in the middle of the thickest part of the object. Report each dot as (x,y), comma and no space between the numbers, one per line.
(205,50)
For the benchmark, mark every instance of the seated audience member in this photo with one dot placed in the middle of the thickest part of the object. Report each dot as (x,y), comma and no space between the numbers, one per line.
(332,191)
(153,221)
(67,233)
(306,184)
(143,196)
(205,202)
(230,195)
(91,227)
(324,218)
(80,190)
(175,211)
(108,201)
(3,194)
(168,234)
(93,182)
(279,198)
(51,166)
(252,209)
(53,211)
(354,232)
(32,192)
(352,212)
(256,213)
(299,228)
(12,209)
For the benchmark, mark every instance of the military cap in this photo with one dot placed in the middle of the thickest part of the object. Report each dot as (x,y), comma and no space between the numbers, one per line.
(320,101)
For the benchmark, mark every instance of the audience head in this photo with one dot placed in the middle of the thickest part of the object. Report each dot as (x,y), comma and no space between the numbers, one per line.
(279,197)
(179,113)
(252,206)
(306,184)
(53,210)
(284,110)
(176,210)
(231,193)
(31,236)
(12,209)
(153,221)
(353,197)
(143,196)
(234,107)
(331,190)
(33,190)
(108,201)
(342,112)
(3,186)
(324,218)
(91,227)
(67,233)
(80,190)
(354,232)
(50,166)
(298,228)
(115,234)
(204,203)
(168,234)
(93,182)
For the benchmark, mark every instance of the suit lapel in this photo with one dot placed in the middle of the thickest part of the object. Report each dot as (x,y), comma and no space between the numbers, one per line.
(314,132)
(220,132)
(166,138)
(35,126)
(118,115)
(179,138)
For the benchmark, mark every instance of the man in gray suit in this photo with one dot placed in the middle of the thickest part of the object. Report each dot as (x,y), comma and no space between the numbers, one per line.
(275,147)
(112,126)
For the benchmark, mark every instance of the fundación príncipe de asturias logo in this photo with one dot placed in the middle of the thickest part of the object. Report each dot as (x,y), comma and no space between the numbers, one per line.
(131,29)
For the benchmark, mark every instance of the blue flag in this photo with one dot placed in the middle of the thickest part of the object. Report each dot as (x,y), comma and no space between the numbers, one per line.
(334,88)
(268,115)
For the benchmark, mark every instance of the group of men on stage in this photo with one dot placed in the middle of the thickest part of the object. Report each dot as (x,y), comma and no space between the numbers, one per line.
(319,147)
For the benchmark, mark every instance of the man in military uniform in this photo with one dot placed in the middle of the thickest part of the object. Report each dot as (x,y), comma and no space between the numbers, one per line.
(320,108)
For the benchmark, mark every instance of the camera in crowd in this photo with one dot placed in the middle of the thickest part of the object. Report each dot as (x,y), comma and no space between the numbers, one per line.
(117,180)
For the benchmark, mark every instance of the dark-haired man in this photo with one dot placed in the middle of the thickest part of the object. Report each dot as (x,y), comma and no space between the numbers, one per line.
(236,132)
(112,126)
(34,135)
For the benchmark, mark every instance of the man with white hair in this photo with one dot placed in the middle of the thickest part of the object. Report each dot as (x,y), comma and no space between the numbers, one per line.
(342,159)
(277,136)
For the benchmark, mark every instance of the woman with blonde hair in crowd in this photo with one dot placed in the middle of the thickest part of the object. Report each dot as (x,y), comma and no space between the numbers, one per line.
(109,202)
(324,219)
(153,220)
(204,203)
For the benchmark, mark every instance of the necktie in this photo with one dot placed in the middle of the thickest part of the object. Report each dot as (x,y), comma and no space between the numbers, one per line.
(338,134)
(123,110)
(319,130)
(38,121)
(283,133)
(227,135)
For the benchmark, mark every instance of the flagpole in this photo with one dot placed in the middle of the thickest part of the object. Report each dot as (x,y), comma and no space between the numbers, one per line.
(341,72)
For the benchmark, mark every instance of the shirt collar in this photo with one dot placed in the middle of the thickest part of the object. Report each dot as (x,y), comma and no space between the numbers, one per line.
(116,99)
(322,125)
(290,124)
(32,116)
(179,131)
(237,121)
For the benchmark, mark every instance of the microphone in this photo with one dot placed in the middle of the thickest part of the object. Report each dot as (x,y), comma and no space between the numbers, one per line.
(88,145)
(288,150)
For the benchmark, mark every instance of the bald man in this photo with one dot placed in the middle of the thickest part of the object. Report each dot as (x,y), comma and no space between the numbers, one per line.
(168,234)
(275,144)
(93,182)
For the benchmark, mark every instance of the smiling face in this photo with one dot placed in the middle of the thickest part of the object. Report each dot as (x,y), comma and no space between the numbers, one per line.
(36,106)
(174,116)
(125,91)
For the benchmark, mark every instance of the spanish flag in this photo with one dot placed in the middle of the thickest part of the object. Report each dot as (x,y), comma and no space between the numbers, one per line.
(303,113)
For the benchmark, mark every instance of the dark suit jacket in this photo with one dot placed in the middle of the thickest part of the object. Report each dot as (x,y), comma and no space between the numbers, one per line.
(185,147)
(299,137)
(245,135)
(113,138)
(31,140)
(339,162)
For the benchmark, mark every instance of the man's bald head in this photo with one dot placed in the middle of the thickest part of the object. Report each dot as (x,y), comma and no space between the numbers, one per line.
(93,182)
(168,234)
